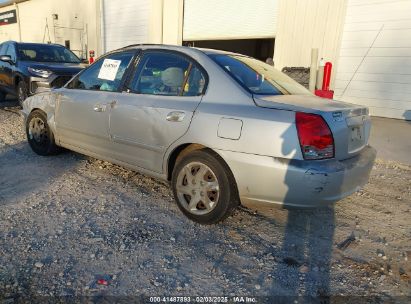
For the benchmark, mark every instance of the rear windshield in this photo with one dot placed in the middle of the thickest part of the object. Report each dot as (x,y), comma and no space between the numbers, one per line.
(259,77)
(45,53)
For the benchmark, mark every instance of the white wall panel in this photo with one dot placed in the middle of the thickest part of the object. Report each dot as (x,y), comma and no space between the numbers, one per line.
(374,66)
(379,78)
(307,24)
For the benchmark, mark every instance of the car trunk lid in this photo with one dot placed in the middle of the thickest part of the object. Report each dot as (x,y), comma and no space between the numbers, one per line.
(349,123)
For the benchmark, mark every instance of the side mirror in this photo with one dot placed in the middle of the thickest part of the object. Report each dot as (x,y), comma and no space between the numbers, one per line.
(85,61)
(6,58)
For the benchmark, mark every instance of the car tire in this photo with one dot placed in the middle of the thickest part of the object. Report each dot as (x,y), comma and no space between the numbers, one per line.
(39,134)
(207,198)
(21,92)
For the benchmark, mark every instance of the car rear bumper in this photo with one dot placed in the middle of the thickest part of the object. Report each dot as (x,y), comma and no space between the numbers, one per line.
(297,183)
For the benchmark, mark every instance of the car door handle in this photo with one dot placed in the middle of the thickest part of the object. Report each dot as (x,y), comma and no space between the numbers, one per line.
(176,116)
(112,103)
(102,107)
(99,108)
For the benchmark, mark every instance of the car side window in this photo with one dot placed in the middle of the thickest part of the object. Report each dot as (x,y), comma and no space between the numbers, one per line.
(195,83)
(162,73)
(104,75)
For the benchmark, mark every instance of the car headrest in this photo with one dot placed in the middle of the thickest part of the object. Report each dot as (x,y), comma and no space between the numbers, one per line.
(172,77)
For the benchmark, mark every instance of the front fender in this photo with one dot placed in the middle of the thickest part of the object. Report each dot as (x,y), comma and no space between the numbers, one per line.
(45,102)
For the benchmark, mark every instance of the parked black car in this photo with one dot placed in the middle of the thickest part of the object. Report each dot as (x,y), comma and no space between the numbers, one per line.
(29,68)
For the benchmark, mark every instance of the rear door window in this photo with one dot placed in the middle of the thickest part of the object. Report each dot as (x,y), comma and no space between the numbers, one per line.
(169,74)
(104,75)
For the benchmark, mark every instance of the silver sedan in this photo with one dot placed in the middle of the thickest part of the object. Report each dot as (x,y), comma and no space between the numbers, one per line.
(223,128)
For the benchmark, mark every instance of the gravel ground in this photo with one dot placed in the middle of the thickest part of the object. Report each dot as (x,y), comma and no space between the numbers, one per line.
(71,225)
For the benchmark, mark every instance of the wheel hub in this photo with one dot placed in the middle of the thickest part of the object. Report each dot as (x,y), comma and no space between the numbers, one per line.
(38,131)
(197,188)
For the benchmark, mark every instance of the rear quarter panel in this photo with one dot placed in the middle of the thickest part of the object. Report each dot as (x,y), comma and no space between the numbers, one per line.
(265,132)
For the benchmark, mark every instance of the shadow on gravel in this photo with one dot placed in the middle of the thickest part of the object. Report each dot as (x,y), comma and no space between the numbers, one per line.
(22,172)
(306,253)
(304,268)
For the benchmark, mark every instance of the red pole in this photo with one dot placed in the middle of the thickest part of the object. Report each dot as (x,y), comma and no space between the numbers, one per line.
(327,76)
(91,55)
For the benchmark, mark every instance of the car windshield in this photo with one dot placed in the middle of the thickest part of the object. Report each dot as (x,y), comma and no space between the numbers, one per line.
(259,77)
(46,53)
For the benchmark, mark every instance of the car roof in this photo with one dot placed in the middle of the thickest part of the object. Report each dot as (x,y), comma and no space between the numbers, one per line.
(32,43)
(178,47)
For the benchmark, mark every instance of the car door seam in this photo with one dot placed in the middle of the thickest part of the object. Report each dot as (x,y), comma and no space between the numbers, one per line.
(131,142)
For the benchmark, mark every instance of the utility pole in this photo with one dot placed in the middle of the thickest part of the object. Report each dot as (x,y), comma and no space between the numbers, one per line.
(313,69)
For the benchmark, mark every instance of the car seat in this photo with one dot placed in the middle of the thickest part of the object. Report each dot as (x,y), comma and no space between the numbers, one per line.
(172,79)
(24,57)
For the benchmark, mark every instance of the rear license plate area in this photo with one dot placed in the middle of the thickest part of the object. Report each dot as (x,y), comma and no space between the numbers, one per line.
(356,138)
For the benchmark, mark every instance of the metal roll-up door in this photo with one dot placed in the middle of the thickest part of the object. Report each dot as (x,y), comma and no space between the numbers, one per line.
(229,19)
(125,22)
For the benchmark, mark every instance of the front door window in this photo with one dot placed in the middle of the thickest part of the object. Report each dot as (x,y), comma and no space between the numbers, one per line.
(104,75)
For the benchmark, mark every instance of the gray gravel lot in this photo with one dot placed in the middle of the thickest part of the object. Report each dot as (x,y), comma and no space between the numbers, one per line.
(69,224)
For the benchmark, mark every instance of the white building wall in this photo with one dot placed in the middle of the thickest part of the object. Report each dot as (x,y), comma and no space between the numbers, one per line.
(173,22)
(77,21)
(307,24)
(375,58)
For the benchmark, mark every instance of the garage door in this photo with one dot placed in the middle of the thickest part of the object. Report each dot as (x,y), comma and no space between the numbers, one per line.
(374,67)
(125,22)
(229,19)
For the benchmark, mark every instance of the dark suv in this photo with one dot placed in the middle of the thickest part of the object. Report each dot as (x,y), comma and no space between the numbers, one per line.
(28,68)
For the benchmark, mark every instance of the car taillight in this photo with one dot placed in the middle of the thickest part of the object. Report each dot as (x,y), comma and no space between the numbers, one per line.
(316,139)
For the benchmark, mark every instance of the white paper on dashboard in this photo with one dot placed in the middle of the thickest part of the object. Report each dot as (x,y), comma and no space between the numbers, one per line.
(109,69)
